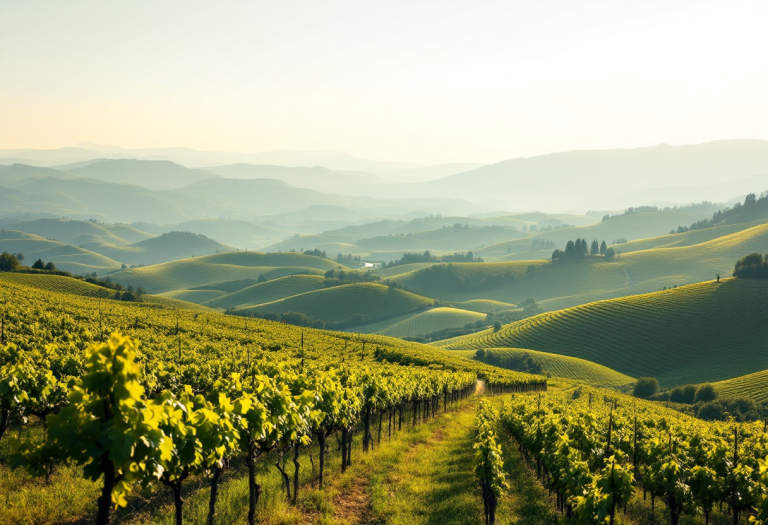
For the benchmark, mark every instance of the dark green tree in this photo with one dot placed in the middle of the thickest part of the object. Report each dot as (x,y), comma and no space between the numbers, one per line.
(603,248)
(39,265)
(645,387)
(705,393)
(8,262)
(595,248)
(610,253)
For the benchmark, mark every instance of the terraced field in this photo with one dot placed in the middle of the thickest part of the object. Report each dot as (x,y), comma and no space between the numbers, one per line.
(430,321)
(571,368)
(269,291)
(692,334)
(343,302)
(751,385)
(199,271)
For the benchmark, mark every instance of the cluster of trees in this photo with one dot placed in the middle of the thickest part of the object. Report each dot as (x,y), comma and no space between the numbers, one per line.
(10,262)
(427,257)
(702,207)
(316,253)
(703,399)
(754,208)
(752,266)
(347,259)
(578,249)
(521,363)
(445,276)
(337,277)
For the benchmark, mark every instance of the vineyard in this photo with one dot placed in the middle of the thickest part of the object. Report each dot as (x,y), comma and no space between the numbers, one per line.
(606,455)
(571,368)
(678,336)
(176,395)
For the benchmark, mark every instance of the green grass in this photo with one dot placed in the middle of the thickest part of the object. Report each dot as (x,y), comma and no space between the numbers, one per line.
(343,302)
(557,286)
(175,303)
(168,247)
(66,257)
(486,306)
(193,296)
(430,321)
(56,283)
(199,271)
(269,291)
(571,368)
(753,385)
(692,334)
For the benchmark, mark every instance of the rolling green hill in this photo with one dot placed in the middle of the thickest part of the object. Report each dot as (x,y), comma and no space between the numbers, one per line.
(571,368)
(269,291)
(692,334)
(341,303)
(81,232)
(55,283)
(630,226)
(753,385)
(556,286)
(167,247)
(486,306)
(193,296)
(431,321)
(66,257)
(199,271)
(242,234)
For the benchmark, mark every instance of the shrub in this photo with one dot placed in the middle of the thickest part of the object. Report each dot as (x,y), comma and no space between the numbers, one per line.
(646,387)
(8,262)
(683,394)
(610,253)
(705,393)
(711,411)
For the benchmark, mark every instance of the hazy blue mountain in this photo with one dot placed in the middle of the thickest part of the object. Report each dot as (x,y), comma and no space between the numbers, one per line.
(316,178)
(579,180)
(19,174)
(153,174)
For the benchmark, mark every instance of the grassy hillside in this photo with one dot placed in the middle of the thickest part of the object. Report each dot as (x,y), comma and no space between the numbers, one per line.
(561,285)
(168,247)
(269,291)
(200,271)
(66,257)
(753,385)
(55,283)
(689,238)
(486,306)
(344,302)
(571,368)
(431,321)
(692,334)
(242,234)
(81,232)
(193,296)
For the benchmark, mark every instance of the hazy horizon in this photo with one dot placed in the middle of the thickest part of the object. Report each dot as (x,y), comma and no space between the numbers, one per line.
(427,84)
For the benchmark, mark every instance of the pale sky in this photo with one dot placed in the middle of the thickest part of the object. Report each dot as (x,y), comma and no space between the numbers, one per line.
(426,81)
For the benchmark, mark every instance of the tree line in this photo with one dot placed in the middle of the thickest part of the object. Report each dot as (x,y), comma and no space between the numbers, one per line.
(579,250)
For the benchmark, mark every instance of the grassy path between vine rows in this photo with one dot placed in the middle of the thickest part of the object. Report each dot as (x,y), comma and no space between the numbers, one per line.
(429,479)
